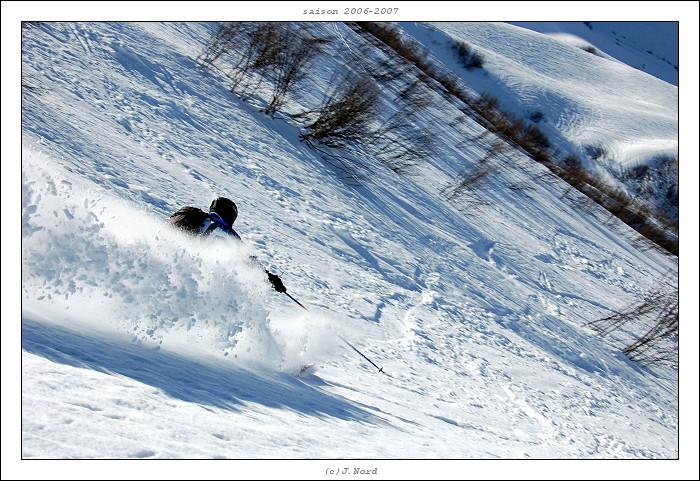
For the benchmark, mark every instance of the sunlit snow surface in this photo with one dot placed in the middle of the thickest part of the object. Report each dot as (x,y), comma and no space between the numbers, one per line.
(138,342)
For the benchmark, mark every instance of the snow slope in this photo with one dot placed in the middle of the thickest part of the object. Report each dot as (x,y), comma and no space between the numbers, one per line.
(599,102)
(139,343)
(608,114)
(649,46)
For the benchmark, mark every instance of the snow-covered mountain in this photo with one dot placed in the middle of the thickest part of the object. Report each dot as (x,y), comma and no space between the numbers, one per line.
(621,125)
(138,342)
(650,46)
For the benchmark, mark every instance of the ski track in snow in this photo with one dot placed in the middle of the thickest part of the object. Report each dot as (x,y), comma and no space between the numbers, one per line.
(178,349)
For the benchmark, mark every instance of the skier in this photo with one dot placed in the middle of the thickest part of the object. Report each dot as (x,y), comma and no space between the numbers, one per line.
(218,222)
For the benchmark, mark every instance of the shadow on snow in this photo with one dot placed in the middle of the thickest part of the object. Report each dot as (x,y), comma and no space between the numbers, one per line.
(226,387)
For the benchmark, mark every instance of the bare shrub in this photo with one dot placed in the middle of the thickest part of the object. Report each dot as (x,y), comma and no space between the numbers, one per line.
(414,97)
(467,56)
(390,35)
(635,214)
(242,49)
(464,185)
(572,171)
(346,113)
(296,52)
(344,119)
(659,344)
(224,40)
(262,50)
(246,52)
(536,116)
(523,186)
(534,138)
(400,144)
(596,152)
(251,53)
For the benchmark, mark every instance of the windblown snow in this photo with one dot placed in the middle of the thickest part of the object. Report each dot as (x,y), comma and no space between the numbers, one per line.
(140,342)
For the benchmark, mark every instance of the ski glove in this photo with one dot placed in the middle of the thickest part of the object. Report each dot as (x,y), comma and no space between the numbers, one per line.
(276,282)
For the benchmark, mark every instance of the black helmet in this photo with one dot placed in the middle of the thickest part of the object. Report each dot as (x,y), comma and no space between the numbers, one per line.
(226,209)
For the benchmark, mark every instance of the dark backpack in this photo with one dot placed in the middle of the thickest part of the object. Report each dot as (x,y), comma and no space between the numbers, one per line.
(189,218)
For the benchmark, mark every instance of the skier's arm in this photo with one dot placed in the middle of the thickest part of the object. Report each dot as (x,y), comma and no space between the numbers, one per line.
(272,278)
(275,281)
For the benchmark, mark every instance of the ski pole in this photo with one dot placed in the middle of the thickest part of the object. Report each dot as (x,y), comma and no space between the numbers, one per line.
(302,305)
(370,361)
(381,369)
